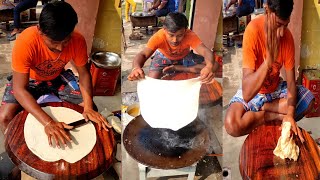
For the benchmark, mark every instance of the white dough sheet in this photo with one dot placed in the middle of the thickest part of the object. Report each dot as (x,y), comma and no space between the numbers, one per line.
(83,137)
(170,104)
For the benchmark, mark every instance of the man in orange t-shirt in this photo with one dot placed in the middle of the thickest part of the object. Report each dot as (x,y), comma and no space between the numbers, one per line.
(38,60)
(172,52)
(267,46)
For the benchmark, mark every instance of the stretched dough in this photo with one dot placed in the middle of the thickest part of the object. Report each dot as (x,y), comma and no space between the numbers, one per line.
(84,137)
(115,123)
(170,104)
(286,147)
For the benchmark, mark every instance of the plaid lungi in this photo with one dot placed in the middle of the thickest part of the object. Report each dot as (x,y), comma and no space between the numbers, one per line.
(304,98)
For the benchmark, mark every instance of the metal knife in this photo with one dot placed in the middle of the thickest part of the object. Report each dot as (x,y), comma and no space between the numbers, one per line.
(78,123)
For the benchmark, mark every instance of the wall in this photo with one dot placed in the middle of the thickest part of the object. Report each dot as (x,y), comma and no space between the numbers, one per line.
(310,42)
(107,35)
(206,19)
(295,27)
(86,18)
(218,44)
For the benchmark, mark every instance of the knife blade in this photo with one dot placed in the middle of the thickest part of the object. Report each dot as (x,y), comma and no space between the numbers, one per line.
(78,123)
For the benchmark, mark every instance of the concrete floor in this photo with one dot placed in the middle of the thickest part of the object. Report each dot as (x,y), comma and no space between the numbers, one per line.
(112,103)
(208,168)
(232,74)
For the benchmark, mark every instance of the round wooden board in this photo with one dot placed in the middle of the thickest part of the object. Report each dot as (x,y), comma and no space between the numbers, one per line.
(257,160)
(91,166)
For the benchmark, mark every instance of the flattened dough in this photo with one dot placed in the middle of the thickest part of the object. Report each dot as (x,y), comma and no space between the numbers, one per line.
(84,137)
(170,104)
(286,147)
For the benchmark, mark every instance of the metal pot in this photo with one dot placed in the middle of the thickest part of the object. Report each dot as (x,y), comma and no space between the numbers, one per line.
(106,60)
(137,14)
(142,14)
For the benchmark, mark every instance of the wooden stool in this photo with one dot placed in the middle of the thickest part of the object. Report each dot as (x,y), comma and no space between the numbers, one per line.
(6,13)
(257,160)
(32,14)
(145,172)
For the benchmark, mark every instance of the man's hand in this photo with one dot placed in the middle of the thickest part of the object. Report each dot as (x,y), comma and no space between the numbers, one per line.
(90,114)
(206,75)
(294,126)
(136,74)
(272,40)
(227,7)
(56,130)
(230,4)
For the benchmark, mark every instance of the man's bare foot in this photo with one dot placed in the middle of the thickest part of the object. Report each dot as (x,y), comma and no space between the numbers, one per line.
(271,116)
(12,36)
(15,31)
(169,69)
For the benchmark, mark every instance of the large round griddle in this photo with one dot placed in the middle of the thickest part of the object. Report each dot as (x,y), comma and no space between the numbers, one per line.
(158,155)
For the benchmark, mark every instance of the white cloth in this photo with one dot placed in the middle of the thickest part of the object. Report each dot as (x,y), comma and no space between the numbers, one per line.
(170,104)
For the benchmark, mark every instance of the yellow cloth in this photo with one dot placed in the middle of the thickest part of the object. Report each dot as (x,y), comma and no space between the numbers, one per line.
(133,4)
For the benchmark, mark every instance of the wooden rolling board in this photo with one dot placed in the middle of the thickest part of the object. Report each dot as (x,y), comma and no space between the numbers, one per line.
(257,160)
(91,166)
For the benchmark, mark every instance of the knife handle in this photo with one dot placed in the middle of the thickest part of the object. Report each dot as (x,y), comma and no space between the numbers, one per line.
(78,123)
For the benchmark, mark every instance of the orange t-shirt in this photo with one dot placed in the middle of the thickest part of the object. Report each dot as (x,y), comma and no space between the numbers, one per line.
(31,55)
(254,52)
(158,41)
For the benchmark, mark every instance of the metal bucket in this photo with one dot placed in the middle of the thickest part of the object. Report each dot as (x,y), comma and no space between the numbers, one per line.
(106,60)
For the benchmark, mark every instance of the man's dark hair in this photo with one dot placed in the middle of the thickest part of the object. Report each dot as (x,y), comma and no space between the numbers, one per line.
(57,20)
(175,21)
(282,8)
